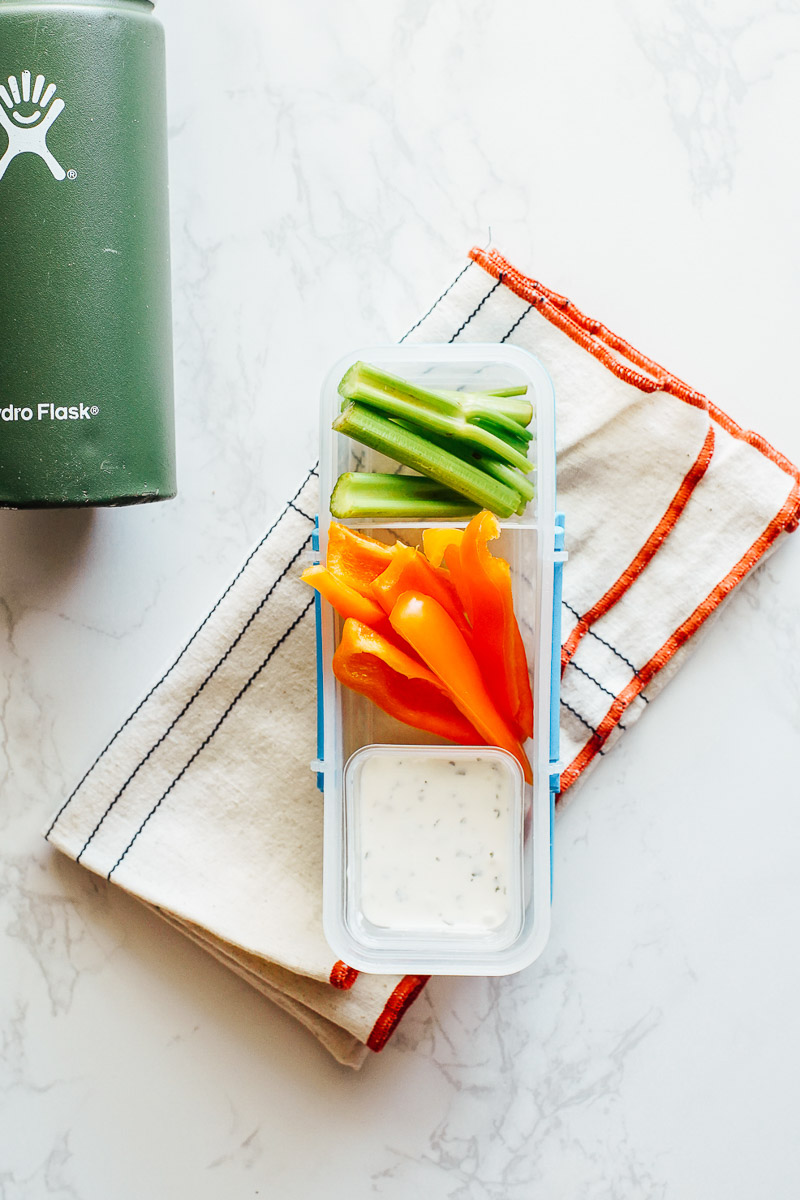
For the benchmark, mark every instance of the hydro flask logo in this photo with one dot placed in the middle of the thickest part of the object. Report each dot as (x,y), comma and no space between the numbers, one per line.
(31,112)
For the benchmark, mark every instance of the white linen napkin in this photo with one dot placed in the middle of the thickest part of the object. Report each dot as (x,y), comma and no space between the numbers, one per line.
(204,805)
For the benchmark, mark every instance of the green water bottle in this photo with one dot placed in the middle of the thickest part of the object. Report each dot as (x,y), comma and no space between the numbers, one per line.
(85,325)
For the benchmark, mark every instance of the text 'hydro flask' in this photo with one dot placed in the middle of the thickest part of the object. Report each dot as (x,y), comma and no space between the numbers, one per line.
(85,325)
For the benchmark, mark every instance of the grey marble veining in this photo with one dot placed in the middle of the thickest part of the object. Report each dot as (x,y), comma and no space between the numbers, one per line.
(330,165)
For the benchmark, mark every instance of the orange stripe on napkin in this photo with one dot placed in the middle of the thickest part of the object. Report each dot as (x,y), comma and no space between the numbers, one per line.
(759,443)
(784,521)
(648,550)
(599,340)
(403,995)
(342,976)
(587,332)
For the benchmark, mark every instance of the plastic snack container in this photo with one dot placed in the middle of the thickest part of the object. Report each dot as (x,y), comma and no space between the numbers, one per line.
(438,857)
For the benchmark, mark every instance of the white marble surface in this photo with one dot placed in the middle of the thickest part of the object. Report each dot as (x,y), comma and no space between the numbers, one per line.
(331,163)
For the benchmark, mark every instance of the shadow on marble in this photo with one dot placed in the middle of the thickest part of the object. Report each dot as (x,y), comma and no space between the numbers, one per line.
(45,548)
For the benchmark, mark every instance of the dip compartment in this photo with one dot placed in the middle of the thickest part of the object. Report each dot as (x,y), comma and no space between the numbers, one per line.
(433,843)
(359,742)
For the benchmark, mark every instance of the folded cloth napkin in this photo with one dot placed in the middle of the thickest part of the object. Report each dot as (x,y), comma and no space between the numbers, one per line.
(203,804)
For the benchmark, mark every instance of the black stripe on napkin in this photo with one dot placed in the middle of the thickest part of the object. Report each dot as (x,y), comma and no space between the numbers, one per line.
(477,308)
(583,721)
(311,473)
(596,682)
(436,303)
(111,804)
(518,321)
(591,633)
(209,737)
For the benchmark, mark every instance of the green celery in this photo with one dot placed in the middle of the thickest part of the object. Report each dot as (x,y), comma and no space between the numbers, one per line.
(512,478)
(372,429)
(472,417)
(501,471)
(502,401)
(434,415)
(505,428)
(519,389)
(374,494)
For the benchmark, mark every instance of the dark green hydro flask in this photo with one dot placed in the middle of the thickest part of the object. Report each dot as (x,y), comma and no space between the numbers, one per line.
(85,324)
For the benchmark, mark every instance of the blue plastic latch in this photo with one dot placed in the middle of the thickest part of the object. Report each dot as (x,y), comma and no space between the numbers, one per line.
(318,641)
(555,678)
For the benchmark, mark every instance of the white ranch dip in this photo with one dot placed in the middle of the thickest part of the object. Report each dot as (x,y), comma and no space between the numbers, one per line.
(436,841)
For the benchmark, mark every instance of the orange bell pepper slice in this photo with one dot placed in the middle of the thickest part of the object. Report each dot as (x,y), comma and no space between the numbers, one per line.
(426,626)
(399,684)
(483,581)
(357,558)
(341,596)
(410,571)
(436,541)
(459,577)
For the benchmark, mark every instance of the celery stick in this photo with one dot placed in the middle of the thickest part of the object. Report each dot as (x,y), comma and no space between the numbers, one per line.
(363,378)
(449,412)
(373,494)
(519,390)
(510,476)
(412,450)
(504,427)
(503,401)
(453,425)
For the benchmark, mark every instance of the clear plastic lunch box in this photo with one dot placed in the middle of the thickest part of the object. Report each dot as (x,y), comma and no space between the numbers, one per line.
(433,898)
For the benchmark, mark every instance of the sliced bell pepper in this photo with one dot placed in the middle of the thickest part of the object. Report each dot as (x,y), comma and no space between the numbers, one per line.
(426,626)
(497,641)
(460,580)
(410,571)
(436,541)
(341,596)
(399,684)
(357,558)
